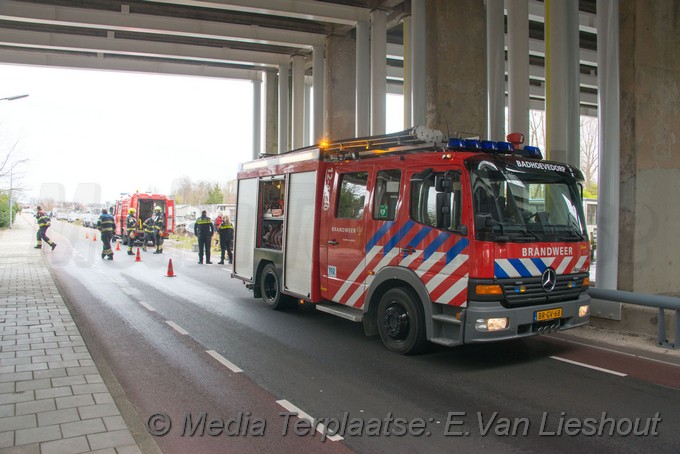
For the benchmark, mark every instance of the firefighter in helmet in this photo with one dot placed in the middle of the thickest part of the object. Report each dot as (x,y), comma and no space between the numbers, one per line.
(106,225)
(159,228)
(131,224)
(44,223)
(149,233)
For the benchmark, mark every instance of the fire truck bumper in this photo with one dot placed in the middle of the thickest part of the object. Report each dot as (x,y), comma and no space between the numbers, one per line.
(490,321)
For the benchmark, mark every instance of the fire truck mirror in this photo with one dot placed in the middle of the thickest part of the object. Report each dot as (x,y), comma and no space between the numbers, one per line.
(483,221)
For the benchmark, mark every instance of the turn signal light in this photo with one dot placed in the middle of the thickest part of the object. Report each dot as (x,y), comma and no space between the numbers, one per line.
(493,289)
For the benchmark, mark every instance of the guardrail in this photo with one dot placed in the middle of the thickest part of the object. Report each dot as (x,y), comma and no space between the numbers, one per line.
(661,302)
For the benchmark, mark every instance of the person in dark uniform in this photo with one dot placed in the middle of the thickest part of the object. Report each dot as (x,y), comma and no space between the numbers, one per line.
(106,225)
(226,233)
(44,223)
(131,224)
(149,233)
(203,229)
(159,229)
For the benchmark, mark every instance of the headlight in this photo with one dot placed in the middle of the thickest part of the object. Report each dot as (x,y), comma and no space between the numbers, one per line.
(584,311)
(492,324)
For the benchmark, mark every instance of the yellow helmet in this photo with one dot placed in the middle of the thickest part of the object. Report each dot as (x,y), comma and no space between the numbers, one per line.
(157,209)
(131,211)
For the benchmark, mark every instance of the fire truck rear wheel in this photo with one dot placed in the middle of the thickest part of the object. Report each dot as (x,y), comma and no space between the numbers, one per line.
(401,322)
(270,289)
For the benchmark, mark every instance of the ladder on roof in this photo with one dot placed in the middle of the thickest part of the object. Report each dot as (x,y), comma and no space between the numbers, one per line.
(409,140)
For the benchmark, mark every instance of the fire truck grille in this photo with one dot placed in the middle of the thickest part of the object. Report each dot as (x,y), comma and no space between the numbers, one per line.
(529,292)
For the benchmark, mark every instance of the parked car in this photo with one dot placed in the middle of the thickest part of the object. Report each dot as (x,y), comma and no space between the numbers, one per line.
(90,220)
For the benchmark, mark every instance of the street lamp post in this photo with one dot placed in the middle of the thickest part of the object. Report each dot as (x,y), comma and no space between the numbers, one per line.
(12,98)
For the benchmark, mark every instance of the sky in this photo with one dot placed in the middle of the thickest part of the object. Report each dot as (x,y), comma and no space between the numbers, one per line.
(95,134)
(89,135)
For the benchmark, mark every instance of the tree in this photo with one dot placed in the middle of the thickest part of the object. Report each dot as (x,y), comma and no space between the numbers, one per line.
(589,152)
(229,191)
(215,195)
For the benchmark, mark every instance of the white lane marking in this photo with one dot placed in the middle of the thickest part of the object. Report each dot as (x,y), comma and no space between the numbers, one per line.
(613,372)
(147,306)
(177,328)
(302,415)
(617,351)
(231,366)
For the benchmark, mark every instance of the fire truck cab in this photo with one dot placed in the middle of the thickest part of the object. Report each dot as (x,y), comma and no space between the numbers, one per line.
(419,237)
(144,204)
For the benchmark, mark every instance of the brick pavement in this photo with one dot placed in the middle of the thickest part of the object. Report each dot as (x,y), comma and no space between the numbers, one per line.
(52,396)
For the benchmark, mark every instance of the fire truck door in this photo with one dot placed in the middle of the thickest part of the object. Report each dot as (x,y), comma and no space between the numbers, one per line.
(345,234)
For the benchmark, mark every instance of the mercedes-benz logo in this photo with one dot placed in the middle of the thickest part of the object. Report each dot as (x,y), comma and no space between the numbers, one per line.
(548,279)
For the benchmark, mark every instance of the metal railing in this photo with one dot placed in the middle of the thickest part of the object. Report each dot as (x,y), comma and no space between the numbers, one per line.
(661,302)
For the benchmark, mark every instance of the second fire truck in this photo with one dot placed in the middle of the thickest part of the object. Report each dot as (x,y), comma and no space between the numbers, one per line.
(418,236)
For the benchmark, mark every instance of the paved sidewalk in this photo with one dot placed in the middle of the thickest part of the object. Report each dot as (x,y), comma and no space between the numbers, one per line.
(52,397)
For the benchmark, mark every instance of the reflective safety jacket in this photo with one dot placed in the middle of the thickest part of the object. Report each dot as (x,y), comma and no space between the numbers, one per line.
(106,223)
(226,231)
(203,228)
(43,219)
(159,222)
(148,225)
(131,222)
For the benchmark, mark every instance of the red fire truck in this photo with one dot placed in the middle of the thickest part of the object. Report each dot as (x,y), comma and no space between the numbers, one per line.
(144,204)
(418,236)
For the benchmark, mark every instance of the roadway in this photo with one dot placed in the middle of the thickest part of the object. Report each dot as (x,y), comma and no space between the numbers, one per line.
(198,343)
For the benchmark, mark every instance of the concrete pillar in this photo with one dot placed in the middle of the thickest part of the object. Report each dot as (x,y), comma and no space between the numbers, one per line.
(518,67)
(418,61)
(270,138)
(309,113)
(607,266)
(283,108)
(455,66)
(562,80)
(257,118)
(318,70)
(363,80)
(339,102)
(495,70)
(650,162)
(408,59)
(298,97)
(378,72)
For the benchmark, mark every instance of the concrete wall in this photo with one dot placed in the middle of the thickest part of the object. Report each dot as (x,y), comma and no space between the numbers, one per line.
(649,249)
(456,66)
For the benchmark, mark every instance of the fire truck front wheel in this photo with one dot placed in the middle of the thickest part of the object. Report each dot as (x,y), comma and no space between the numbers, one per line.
(270,289)
(401,322)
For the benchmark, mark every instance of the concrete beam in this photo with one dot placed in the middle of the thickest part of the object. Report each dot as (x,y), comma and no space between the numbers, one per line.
(99,62)
(299,9)
(158,25)
(111,45)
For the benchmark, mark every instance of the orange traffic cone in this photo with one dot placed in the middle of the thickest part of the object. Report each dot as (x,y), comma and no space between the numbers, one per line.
(117,245)
(139,257)
(170,272)
(87,236)
(94,237)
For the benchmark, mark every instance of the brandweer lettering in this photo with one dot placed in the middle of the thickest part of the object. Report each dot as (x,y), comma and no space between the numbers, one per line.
(546,251)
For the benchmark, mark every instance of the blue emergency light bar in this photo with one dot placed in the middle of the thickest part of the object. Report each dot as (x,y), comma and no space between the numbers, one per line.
(489,146)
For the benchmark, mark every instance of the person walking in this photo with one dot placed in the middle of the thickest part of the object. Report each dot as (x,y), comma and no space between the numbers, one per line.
(203,229)
(226,233)
(159,228)
(149,233)
(44,223)
(106,225)
(131,224)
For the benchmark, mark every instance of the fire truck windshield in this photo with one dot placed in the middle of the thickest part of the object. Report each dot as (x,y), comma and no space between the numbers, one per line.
(522,201)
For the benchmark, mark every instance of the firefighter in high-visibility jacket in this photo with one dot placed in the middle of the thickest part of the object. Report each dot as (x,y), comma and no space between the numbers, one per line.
(159,228)
(149,233)
(131,224)
(106,225)
(43,221)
